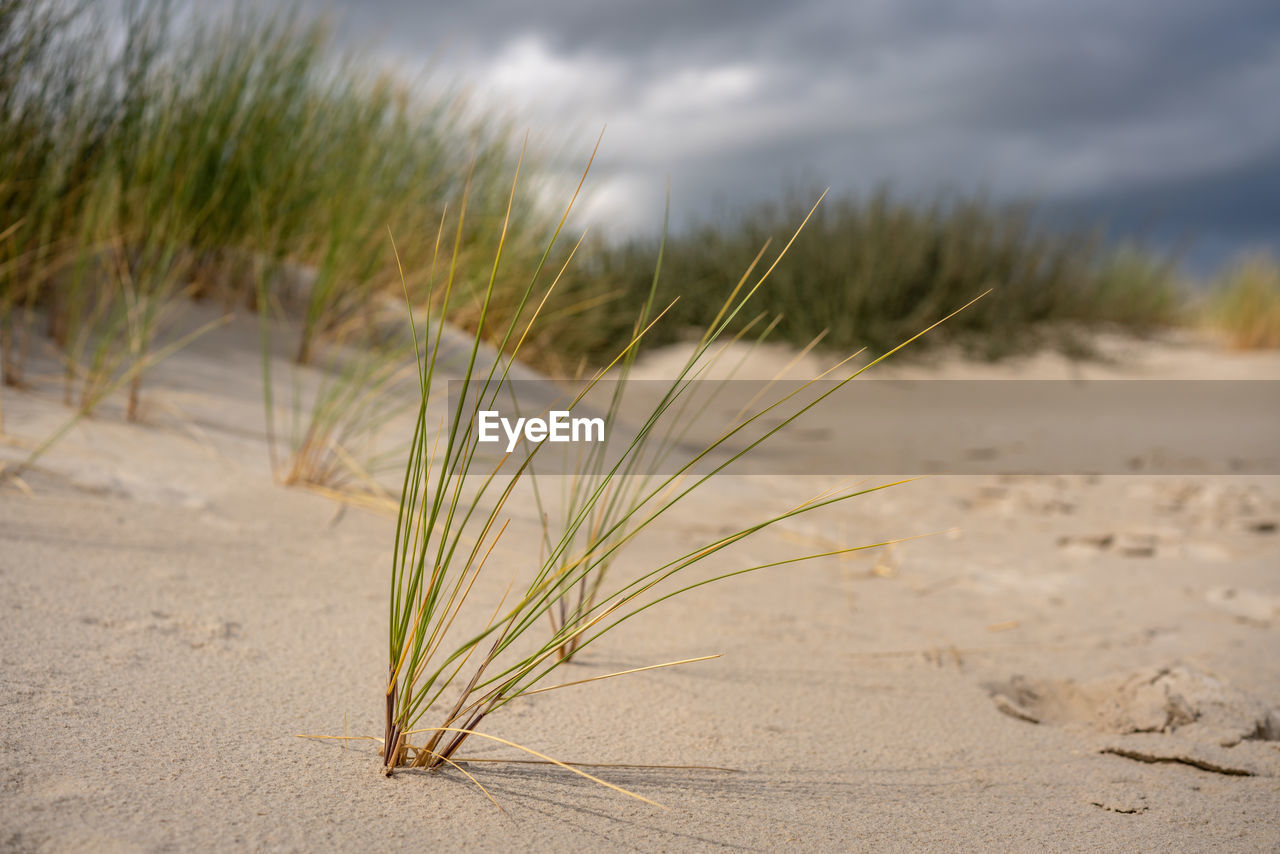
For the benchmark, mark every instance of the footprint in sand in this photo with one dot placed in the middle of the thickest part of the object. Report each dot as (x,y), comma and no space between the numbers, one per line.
(194,631)
(1214,506)
(1029,496)
(1247,606)
(1124,545)
(1167,714)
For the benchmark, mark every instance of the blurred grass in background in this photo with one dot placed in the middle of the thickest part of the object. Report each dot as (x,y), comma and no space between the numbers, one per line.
(194,154)
(1245,305)
(150,157)
(874,271)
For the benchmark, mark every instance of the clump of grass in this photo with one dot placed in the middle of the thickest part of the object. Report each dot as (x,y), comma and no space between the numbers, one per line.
(124,378)
(458,671)
(134,171)
(1135,290)
(869,271)
(337,412)
(333,429)
(1245,303)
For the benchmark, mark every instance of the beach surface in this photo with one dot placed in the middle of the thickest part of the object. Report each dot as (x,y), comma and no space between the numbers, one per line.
(1064,663)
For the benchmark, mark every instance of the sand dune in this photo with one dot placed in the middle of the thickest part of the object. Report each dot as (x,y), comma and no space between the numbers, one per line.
(1084,663)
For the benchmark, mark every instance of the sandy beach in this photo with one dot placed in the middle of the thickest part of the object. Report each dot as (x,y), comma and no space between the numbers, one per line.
(1068,663)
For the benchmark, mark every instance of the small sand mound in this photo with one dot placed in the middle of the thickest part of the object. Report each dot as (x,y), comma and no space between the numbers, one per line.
(1169,700)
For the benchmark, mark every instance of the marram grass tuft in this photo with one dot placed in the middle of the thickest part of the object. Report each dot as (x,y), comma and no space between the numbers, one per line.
(447,672)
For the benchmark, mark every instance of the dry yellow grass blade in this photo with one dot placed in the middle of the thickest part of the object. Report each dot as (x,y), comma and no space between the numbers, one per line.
(620,673)
(376,503)
(541,756)
(639,766)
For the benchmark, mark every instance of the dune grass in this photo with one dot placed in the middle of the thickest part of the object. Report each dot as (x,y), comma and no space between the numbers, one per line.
(605,495)
(870,271)
(330,443)
(1244,303)
(448,671)
(164,155)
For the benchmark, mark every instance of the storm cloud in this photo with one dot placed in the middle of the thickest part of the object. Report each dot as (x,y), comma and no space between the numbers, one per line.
(1157,116)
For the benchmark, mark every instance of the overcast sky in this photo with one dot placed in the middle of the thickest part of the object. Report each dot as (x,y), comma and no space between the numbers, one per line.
(1163,116)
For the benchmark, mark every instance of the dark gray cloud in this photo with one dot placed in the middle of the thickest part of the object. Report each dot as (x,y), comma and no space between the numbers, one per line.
(1155,114)
(1207,216)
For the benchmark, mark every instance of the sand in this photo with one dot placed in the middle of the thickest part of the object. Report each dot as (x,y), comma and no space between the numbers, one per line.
(1078,664)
